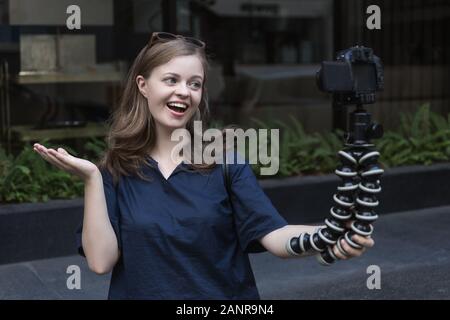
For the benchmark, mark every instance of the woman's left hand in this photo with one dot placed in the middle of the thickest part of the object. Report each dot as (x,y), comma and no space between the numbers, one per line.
(365,242)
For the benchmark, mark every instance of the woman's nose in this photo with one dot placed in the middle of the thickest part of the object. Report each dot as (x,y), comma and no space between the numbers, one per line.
(182,90)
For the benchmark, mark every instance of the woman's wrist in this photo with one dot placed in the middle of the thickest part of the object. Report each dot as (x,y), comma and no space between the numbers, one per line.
(94,175)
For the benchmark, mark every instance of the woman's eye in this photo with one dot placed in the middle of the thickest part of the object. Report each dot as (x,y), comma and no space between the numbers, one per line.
(196,85)
(168,80)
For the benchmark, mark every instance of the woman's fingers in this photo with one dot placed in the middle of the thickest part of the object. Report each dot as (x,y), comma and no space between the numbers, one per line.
(42,152)
(64,152)
(65,161)
(350,250)
(73,164)
(364,241)
(338,253)
(51,156)
(59,159)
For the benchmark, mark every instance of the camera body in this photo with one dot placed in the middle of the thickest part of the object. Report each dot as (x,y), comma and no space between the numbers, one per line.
(353,78)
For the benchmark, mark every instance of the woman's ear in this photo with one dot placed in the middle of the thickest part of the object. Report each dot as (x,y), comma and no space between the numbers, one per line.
(142,85)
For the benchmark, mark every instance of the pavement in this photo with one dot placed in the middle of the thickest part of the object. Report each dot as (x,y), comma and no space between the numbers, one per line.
(412,252)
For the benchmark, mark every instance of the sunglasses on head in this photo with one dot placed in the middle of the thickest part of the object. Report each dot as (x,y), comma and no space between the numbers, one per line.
(166,36)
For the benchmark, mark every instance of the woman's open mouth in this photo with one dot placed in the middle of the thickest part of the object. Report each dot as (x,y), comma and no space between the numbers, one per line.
(177,108)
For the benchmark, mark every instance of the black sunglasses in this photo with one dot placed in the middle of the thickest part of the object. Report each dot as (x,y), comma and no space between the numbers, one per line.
(166,36)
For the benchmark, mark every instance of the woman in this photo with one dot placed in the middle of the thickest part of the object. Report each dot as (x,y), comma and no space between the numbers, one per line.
(165,228)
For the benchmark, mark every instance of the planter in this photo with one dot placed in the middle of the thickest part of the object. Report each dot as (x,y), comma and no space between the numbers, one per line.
(309,199)
(31,231)
(36,231)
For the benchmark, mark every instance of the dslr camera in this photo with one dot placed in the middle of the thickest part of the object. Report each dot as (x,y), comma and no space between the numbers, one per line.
(353,78)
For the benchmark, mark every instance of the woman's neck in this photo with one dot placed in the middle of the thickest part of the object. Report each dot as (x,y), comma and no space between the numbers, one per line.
(162,151)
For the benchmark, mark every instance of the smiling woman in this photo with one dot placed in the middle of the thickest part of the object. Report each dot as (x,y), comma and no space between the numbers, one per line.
(168,229)
(179,92)
(165,89)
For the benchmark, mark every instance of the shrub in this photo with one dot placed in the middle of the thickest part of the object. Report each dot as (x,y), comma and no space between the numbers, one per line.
(422,138)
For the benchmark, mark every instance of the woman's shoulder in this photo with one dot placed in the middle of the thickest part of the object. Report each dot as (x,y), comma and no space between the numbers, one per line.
(109,178)
(237,163)
(107,175)
(234,157)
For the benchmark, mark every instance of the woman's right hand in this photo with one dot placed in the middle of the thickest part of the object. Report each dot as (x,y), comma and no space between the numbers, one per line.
(64,161)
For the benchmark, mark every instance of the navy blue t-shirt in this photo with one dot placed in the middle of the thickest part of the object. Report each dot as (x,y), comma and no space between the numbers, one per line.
(180,239)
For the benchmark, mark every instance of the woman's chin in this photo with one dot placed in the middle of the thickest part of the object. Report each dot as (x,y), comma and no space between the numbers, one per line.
(174,123)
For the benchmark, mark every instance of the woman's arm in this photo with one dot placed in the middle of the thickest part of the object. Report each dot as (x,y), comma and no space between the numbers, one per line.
(275,242)
(98,238)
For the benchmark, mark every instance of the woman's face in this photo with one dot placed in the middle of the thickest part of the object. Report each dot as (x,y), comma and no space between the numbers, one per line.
(174,91)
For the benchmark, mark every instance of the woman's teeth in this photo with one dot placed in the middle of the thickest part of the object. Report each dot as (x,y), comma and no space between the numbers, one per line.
(178,107)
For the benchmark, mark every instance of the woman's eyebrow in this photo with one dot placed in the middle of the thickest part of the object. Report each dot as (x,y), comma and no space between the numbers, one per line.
(176,74)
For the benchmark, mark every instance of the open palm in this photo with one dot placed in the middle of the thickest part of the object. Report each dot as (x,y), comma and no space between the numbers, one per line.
(65,161)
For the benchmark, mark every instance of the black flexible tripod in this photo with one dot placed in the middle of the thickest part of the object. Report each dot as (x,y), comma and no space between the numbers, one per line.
(356,195)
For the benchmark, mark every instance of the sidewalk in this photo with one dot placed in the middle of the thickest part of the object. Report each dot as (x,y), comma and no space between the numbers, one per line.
(412,250)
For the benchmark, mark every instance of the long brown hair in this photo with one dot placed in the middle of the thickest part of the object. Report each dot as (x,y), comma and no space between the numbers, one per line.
(132,131)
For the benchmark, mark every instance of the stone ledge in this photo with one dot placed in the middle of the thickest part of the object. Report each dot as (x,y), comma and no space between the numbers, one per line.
(31,231)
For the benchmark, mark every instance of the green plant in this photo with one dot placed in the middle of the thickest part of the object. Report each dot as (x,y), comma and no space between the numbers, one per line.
(95,148)
(423,138)
(28,178)
(302,153)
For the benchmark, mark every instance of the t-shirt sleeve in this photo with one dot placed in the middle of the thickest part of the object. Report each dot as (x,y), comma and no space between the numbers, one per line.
(113,211)
(255,215)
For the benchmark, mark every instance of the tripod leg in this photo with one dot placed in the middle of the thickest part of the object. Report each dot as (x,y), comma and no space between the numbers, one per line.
(323,239)
(341,212)
(366,200)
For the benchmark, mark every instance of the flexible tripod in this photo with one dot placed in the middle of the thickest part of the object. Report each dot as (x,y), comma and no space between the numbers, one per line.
(356,195)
